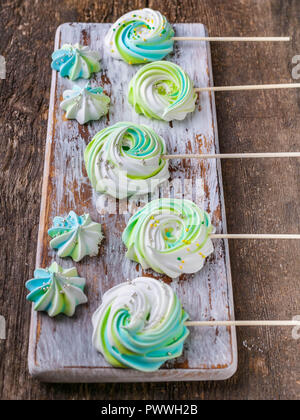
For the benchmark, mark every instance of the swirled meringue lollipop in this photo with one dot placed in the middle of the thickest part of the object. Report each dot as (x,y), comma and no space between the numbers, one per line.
(140,325)
(169,235)
(126,159)
(140,36)
(162,90)
(75,61)
(56,290)
(85,104)
(145,35)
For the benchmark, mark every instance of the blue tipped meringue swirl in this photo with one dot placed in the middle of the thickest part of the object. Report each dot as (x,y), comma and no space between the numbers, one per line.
(56,290)
(140,36)
(140,325)
(75,236)
(76,61)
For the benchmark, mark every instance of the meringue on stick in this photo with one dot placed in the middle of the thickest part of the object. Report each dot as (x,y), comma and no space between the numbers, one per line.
(171,236)
(145,35)
(162,90)
(174,236)
(128,159)
(141,324)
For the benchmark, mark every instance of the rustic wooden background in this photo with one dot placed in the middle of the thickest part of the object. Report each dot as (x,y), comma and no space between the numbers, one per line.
(260,196)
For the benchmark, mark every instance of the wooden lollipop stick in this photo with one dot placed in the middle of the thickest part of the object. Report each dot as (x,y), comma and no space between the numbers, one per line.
(253,236)
(233,38)
(234,155)
(293,323)
(248,87)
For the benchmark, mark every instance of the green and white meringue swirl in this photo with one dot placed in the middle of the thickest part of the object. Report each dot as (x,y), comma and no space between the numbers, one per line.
(171,236)
(140,325)
(163,91)
(75,236)
(56,290)
(126,159)
(140,36)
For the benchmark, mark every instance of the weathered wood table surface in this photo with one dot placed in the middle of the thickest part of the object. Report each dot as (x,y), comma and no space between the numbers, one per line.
(260,195)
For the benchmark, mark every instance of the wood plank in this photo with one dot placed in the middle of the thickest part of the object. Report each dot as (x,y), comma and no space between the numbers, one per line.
(61,348)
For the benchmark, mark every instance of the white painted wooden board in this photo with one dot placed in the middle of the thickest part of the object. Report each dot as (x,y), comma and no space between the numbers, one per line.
(60,349)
